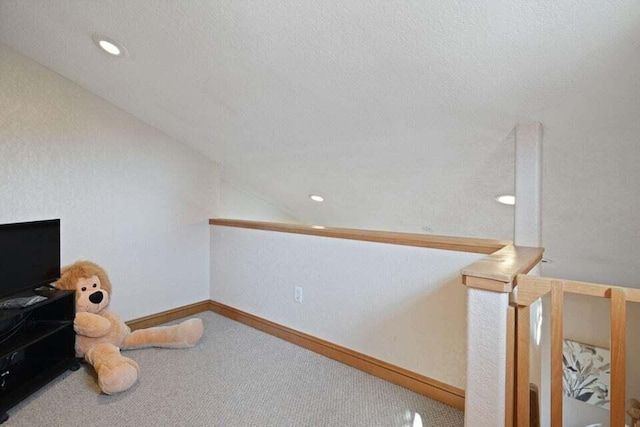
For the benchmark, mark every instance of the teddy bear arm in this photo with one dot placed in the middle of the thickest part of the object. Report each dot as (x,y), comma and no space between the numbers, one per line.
(91,325)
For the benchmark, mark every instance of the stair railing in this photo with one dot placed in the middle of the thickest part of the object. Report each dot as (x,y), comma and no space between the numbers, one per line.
(531,289)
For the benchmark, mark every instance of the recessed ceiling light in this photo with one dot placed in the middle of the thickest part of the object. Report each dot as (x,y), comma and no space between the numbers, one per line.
(506,199)
(319,227)
(316,198)
(108,45)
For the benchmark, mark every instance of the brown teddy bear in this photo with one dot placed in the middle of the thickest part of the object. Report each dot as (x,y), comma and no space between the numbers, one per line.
(101,334)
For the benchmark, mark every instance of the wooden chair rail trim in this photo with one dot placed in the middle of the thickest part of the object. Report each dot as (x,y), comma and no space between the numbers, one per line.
(460,244)
(530,288)
(429,387)
(498,271)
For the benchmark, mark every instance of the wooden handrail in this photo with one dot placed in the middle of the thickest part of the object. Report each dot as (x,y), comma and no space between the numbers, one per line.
(460,244)
(531,288)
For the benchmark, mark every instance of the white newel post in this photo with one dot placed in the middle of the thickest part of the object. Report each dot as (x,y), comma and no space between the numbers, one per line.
(489,284)
(486,358)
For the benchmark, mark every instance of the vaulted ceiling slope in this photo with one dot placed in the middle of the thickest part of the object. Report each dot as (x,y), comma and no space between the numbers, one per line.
(398,112)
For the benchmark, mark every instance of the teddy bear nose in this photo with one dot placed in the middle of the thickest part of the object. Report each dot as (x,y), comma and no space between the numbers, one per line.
(96,297)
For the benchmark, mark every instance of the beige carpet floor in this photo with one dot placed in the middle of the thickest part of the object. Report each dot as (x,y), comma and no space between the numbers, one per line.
(236,376)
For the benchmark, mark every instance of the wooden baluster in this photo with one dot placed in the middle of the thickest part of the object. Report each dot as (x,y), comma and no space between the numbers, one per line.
(523,375)
(618,356)
(534,406)
(557,343)
(509,413)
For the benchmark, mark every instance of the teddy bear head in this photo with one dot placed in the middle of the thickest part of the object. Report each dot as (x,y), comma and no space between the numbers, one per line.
(91,284)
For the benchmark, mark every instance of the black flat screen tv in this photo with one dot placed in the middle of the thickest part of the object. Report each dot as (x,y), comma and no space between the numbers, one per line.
(29,255)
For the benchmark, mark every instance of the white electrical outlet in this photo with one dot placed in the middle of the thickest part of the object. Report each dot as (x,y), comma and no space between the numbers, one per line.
(297,294)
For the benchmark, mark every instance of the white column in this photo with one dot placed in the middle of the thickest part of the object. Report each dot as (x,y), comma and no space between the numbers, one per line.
(528,232)
(528,172)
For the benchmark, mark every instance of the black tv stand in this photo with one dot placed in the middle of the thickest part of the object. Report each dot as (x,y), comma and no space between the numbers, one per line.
(36,345)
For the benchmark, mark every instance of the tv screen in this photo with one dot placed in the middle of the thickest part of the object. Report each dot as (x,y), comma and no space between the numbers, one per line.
(29,255)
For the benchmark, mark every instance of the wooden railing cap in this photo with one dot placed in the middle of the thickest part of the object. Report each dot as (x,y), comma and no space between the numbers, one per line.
(461,244)
(497,271)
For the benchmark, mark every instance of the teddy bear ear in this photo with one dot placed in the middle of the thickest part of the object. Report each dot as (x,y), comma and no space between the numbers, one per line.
(64,282)
(59,284)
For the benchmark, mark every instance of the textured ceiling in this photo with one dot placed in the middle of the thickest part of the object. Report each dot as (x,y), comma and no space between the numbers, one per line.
(398,112)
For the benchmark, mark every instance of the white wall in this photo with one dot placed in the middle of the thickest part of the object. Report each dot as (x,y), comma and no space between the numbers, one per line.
(238,203)
(400,304)
(129,197)
(591,199)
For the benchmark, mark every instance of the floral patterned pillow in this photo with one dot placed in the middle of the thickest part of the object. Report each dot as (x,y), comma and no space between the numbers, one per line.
(586,373)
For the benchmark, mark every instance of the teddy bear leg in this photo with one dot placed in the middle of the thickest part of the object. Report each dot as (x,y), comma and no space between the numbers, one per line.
(116,373)
(186,334)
